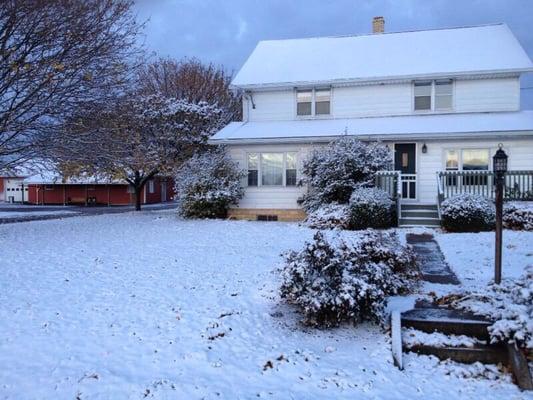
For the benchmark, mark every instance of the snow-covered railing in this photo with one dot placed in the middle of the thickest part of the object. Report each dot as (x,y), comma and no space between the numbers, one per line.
(518,184)
(390,181)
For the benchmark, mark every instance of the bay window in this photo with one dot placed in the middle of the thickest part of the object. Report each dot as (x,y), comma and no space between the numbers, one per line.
(272,169)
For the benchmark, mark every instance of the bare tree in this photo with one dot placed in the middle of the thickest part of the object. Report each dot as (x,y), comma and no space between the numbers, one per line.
(55,55)
(194,82)
(134,138)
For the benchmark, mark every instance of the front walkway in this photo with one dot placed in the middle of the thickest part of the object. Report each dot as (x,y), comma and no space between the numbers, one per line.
(434,267)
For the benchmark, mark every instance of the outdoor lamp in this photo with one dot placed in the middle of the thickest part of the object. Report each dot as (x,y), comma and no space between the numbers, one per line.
(424,148)
(499,162)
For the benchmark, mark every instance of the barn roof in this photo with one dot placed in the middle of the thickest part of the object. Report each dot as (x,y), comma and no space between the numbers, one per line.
(452,52)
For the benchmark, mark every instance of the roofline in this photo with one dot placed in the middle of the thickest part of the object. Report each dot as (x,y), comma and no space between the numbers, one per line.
(383,79)
(387,33)
(379,137)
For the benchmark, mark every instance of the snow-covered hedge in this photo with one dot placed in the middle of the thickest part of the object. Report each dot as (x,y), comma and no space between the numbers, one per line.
(510,305)
(208,184)
(329,216)
(467,213)
(370,208)
(332,172)
(518,216)
(333,280)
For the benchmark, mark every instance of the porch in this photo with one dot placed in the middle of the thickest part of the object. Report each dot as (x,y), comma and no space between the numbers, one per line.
(402,189)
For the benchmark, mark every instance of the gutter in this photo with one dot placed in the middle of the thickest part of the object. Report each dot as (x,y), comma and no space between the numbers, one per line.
(378,137)
(383,79)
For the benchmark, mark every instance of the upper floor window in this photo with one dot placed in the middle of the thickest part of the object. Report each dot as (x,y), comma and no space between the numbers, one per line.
(433,95)
(272,169)
(313,102)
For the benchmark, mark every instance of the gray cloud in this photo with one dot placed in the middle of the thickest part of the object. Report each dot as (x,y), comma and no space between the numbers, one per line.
(225,32)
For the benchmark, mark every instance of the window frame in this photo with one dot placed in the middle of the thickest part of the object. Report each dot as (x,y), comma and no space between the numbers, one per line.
(151,186)
(313,91)
(433,108)
(259,169)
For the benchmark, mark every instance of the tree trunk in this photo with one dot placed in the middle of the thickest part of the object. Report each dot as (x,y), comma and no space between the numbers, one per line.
(138,193)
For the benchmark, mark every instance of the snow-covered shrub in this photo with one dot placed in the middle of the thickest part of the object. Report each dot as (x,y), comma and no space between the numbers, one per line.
(329,216)
(518,216)
(370,208)
(208,184)
(467,213)
(332,172)
(510,305)
(333,280)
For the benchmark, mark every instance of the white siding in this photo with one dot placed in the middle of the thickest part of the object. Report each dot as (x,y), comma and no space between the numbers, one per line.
(487,95)
(274,105)
(520,158)
(476,95)
(520,154)
(268,196)
(372,100)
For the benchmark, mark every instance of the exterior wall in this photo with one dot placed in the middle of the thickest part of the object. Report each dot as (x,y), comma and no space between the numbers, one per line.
(13,189)
(487,95)
(159,187)
(270,197)
(278,200)
(476,95)
(76,194)
(520,154)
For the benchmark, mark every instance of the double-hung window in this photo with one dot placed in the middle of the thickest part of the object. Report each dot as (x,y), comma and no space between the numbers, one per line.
(433,95)
(272,169)
(313,102)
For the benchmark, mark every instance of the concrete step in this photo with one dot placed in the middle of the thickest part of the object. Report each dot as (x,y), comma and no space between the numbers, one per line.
(418,206)
(419,221)
(420,214)
(449,322)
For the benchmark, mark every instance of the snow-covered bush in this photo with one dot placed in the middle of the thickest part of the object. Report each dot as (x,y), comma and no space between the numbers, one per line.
(518,216)
(467,213)
(510,305)
(370,208)
(207,184)
(332,172)
(333,280)
(329,216)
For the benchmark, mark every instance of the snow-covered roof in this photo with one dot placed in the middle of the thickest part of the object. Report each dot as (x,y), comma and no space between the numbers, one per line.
(52,177)
(467,125)
(404,55)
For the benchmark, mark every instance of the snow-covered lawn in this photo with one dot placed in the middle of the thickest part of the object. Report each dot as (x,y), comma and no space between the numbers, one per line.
(29,214)
(148,306)
(471,255)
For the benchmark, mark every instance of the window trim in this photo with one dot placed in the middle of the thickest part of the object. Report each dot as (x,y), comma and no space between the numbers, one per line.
(313,114)
(259,169)
(433,108)
(151,186)
(459,151)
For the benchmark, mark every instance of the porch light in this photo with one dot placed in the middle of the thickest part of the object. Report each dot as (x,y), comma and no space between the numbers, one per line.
(499,162)
(424,148)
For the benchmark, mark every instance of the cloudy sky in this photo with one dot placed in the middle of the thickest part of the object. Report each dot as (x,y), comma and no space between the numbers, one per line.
(226,31)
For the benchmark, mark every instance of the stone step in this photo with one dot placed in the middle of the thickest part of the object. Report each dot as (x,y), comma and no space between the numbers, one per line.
(487,354)
(420,214)
(449,322)
(418,206)
(419,221)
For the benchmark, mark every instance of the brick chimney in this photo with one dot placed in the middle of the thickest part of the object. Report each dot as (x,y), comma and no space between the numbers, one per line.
(378,25)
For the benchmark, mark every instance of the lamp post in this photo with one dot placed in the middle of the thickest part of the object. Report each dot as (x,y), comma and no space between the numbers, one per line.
(499,165)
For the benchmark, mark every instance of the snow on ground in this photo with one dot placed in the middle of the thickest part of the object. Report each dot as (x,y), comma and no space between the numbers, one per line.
(129,306)
(29,214)
(471,255)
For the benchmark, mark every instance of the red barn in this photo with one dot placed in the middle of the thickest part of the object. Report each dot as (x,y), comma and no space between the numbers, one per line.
(90,191)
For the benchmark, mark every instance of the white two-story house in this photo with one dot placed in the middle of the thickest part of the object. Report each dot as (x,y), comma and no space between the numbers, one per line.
(442,100)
